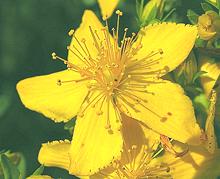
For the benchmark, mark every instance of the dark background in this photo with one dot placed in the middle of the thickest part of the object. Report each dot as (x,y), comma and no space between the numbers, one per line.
(29,31)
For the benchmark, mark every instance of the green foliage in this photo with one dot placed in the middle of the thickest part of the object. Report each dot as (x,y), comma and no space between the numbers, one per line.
(30,31)
(12,164)
(39,171)
(207,7)
(70,125)
(10,170)
(192,16)
(149,12)
(198,75)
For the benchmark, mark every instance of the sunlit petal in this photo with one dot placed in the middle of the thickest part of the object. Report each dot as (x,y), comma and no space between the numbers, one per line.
(58,102)
(163,107)
(97,137)
(55,154)
(174,40)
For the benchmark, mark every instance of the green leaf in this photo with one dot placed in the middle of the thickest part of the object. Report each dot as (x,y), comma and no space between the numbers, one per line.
(152,15)
(139,7)
(22,165)
(169,14)
(201,102)
(192,16)
(197,75)
(10,170)
(154,21)
(39,171)
(213,4)
(200,43)
(218,5)
(206,7)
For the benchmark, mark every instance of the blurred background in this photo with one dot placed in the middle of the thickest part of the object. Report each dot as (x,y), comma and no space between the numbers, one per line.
(30,30)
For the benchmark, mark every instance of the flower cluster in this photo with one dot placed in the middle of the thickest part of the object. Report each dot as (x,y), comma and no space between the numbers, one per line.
(131,96)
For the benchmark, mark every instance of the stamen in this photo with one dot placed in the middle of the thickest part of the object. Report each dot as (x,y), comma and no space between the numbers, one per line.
(60,82)
(119,13)
(71,32)
(54,57)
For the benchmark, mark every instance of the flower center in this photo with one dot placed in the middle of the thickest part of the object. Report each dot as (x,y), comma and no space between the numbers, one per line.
(114,64)
(114,71)
(134,165)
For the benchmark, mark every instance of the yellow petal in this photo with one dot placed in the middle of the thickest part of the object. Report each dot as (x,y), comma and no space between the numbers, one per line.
(212,70)
(197,163)
(39,177)
(163,108)
(138,138)
(78,49)
(138,141)
(175,40)
(107,7)
(55,154)
(96,144)
(44,95)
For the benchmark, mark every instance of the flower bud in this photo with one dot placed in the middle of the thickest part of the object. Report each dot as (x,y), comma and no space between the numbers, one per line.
(152,10)
(187,70)
(209,25)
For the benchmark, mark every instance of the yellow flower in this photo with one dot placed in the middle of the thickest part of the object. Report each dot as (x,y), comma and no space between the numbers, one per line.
(208,25)
(212,70)
(105,79)
(140,159)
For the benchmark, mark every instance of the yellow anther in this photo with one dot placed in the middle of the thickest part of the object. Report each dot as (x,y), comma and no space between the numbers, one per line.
(129,76)
(104,17)
(54,56)
(118,12)
(161,51)
(71,32)
(59,82)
